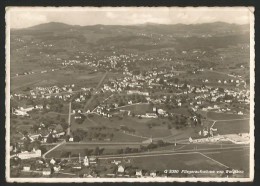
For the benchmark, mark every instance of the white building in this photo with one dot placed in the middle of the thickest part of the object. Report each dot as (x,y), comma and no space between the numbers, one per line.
(86,161)
(121,169)
(46,172)
(26,168)
(139,173)
(28,155)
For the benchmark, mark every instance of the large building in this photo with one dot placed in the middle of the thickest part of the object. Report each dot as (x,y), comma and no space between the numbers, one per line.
(27,155)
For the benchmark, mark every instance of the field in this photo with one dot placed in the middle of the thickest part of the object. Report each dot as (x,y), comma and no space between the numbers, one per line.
(122,137)
(159,129)
(240,159)
(182,161)
(68,76)
(138,109)
(223,116)
(232,127)
(80,148)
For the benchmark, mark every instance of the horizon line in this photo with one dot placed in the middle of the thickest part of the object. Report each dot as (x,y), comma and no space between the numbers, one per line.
(146,23)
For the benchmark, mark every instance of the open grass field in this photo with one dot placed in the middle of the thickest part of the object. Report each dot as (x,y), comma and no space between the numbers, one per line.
(223,116)
(122,137)
(240,159)
(158,130)
(61,77)
(138,108)
(182,161)
(233,127)
(139,125)
(210,75)
(76,148)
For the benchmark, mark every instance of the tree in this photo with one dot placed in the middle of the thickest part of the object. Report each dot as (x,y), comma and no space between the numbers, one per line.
(76,138)
(120,151)
(50,139)
(97,151)
(127,150)
(35,128)
(161,81)
(221,89)
(43,149)
(160,143)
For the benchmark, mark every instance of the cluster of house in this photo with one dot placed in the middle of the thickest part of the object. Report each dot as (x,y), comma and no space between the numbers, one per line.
(242,138)
(109,62)
(46,167)
(203,99)
(41,134)
(70,62)
(123,171)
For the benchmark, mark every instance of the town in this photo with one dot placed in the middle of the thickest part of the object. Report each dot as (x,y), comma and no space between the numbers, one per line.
(109,110)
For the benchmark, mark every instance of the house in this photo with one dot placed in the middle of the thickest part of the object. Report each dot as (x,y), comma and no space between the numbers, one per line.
(115,162)
(150,115)
(161,111)
(153,173)
(46,171)
(71,139)
(121,169)
(40,107)
(28,155)
(26,167)
(56,168)
(86,161)
(77,166)
(27,108)
(20,113)
(240,113)
(93,160)
(52,161)
(139,173)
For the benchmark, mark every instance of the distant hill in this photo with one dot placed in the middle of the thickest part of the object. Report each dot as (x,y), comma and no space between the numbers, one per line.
(142,37)
(52,26)
(147,27)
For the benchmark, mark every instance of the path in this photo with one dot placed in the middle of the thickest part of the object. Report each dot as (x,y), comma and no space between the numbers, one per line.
(63,142)
(171,152)
(97,87)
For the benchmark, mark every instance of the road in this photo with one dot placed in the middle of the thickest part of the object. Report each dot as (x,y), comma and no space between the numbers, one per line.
(97,87)
(104,143)
(103,102)
(174,152)
(63,142)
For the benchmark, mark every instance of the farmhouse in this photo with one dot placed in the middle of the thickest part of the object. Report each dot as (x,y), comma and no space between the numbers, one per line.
(130,92)
(121,169)
(26,167)
(153,173)
(139,173)
(56,168)
(28,155)
(46,171)
(150,115)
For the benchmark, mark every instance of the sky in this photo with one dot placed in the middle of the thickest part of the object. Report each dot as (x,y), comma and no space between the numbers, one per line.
(23,17)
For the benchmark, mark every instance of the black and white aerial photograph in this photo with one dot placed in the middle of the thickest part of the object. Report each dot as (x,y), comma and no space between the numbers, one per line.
(129,94)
